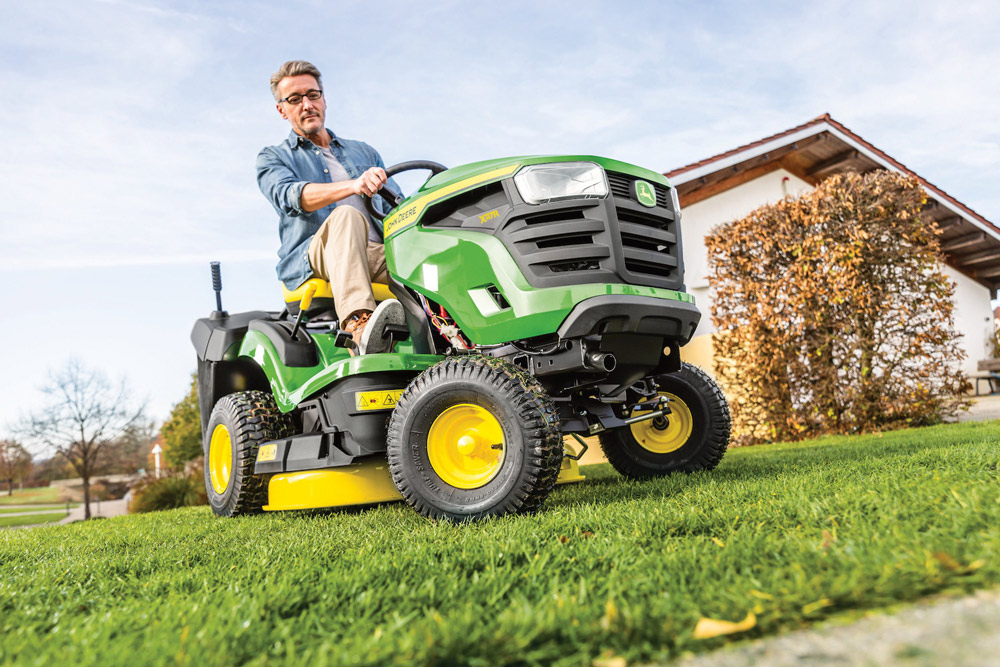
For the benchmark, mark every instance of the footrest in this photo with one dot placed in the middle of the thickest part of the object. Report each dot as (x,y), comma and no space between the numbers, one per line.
(396,332)
(343,339)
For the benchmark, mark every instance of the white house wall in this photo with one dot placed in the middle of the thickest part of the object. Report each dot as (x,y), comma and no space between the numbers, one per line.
(972,301)
(973,318)
(698,220)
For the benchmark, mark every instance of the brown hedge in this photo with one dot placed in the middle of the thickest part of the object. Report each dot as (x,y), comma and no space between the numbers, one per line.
(833,313)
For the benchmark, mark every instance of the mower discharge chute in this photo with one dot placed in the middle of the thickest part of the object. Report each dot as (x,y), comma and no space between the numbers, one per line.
(544,298)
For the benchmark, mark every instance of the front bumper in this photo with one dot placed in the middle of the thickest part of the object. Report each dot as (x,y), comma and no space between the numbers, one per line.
(668,318)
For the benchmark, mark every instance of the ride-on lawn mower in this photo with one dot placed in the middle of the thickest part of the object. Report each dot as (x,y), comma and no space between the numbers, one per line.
(543,298)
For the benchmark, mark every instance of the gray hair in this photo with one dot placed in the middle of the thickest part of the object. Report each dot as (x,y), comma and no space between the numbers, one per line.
(293,68)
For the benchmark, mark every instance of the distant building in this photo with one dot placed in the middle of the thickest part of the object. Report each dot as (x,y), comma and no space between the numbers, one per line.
(730,185)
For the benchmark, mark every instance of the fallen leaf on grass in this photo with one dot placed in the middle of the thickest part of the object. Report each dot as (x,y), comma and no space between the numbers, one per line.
(816,606)
(710,627)
(828,539)
(719,543)
(949,563)
(610,614)
(761,594)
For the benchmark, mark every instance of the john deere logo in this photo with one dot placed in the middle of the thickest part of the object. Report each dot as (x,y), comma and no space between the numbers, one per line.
(645,194)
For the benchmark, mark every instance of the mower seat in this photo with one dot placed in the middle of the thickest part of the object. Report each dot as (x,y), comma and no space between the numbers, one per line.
(322,297)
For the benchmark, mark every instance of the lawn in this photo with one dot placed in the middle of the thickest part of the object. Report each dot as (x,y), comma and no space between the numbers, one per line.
(32,519)
(33,508)
(41,495)
(792,534)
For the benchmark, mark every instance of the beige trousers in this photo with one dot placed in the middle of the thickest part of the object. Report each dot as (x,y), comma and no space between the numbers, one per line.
(341,254)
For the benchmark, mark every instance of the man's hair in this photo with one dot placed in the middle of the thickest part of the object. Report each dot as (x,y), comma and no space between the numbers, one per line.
(293,68)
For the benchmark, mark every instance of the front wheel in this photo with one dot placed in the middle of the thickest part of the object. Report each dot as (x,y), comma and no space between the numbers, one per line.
(694,436)
(473,437)
(239,424)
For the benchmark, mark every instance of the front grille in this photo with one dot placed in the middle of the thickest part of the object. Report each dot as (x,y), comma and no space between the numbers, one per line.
(649,246)
(558,242)
(610,240)
(649,235)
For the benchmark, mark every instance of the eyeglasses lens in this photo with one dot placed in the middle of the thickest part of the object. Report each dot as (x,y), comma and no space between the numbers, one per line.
(313,95)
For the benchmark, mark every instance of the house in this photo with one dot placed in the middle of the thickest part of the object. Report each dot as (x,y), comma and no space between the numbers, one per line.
(730,185)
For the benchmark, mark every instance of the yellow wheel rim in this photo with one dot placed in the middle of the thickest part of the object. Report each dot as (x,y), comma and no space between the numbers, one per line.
(466,447)
(662,436)
(220,459)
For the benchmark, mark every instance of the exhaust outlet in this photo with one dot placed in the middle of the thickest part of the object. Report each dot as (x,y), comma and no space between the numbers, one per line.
(602,361)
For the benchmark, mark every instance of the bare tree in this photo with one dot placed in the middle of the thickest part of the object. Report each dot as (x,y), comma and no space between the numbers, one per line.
(15,463)
(84,415)
(128,453)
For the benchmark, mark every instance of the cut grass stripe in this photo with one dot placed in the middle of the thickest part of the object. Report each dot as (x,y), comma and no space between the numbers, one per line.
(32,519)
(45,494)
(35,508)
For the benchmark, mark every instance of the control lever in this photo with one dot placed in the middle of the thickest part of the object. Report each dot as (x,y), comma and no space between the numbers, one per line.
(303,307)
(219,313)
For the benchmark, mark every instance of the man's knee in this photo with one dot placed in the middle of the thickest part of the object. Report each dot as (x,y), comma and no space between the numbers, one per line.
(346,216)
(344,225)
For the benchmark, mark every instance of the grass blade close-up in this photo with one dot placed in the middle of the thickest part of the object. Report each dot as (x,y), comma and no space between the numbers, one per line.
(776,538)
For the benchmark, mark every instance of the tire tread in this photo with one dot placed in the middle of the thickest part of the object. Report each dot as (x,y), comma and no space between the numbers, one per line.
(544,450)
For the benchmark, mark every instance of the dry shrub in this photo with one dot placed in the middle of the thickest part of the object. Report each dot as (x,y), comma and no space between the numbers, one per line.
(833,313)
(105,489)
(182,488)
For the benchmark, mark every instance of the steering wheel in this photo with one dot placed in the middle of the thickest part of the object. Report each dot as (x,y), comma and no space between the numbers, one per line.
(394,198)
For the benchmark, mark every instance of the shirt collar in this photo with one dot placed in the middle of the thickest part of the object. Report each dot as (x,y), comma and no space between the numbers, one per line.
(295,140)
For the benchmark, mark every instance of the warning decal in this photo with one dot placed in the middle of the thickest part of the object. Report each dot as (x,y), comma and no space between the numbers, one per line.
(378,400)
(267,453)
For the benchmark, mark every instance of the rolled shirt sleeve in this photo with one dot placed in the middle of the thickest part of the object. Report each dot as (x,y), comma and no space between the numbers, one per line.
(279,184)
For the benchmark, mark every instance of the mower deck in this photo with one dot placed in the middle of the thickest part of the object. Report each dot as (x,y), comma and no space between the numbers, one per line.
(364,483)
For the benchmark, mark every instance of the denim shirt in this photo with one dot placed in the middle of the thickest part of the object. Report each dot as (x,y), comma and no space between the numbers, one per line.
(282,172)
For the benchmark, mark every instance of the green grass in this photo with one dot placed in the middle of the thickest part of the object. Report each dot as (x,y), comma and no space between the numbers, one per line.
(32,519)
(45,494)
(13,510)
(793,533)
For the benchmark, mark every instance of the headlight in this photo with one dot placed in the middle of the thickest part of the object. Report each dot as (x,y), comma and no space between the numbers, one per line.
(543,183)
(675,200)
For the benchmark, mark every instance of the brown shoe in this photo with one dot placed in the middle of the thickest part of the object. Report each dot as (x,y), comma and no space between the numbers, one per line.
(355,326)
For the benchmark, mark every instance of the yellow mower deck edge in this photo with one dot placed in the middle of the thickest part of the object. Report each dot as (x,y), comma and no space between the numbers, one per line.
(357,484)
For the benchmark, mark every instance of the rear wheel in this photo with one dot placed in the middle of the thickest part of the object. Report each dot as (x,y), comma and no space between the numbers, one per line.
(239,424)
(694,436)
(474,437)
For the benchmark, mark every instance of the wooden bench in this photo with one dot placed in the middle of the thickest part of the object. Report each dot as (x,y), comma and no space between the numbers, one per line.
(992,367)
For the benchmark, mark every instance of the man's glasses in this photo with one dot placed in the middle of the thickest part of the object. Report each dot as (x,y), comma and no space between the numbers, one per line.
(312,95)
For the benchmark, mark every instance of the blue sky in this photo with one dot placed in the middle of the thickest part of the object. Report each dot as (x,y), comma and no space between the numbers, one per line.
(130,131)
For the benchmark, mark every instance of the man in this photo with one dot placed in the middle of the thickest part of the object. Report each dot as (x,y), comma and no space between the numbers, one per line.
(315,181)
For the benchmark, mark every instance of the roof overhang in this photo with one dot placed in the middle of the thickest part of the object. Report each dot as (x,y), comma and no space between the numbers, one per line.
(823,147)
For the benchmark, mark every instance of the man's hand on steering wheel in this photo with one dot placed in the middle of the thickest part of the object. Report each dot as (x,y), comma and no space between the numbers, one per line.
(393,199)
(370,182)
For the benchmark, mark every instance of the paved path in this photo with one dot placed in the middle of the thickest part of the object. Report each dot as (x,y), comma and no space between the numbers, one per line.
(959,632)
(983,407)
(106,509)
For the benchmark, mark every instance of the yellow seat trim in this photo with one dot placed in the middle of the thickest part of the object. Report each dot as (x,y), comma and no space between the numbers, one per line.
(323,291)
